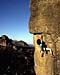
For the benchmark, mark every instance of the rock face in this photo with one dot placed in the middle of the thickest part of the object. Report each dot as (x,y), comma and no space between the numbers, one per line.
(45,16)
(44,60)
(44,24)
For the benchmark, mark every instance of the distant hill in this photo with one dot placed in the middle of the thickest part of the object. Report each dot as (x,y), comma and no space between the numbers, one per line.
(6,41)
(16,57)
(21,43)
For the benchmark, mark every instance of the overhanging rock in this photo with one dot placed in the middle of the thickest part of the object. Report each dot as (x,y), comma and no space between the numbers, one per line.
(45,17)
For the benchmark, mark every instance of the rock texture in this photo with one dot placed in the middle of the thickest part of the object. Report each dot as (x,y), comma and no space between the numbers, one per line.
(45,21)
(45,17)
(44,65)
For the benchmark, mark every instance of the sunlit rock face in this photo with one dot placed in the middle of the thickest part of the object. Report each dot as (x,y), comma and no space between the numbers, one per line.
(45,21)
(45,16)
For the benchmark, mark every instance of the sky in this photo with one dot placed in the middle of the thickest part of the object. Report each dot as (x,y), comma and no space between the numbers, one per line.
(14,19)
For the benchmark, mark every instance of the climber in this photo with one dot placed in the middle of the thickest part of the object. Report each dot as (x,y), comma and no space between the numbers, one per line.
(42,45)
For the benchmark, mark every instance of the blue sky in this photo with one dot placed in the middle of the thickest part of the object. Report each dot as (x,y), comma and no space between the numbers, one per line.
(14,19)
